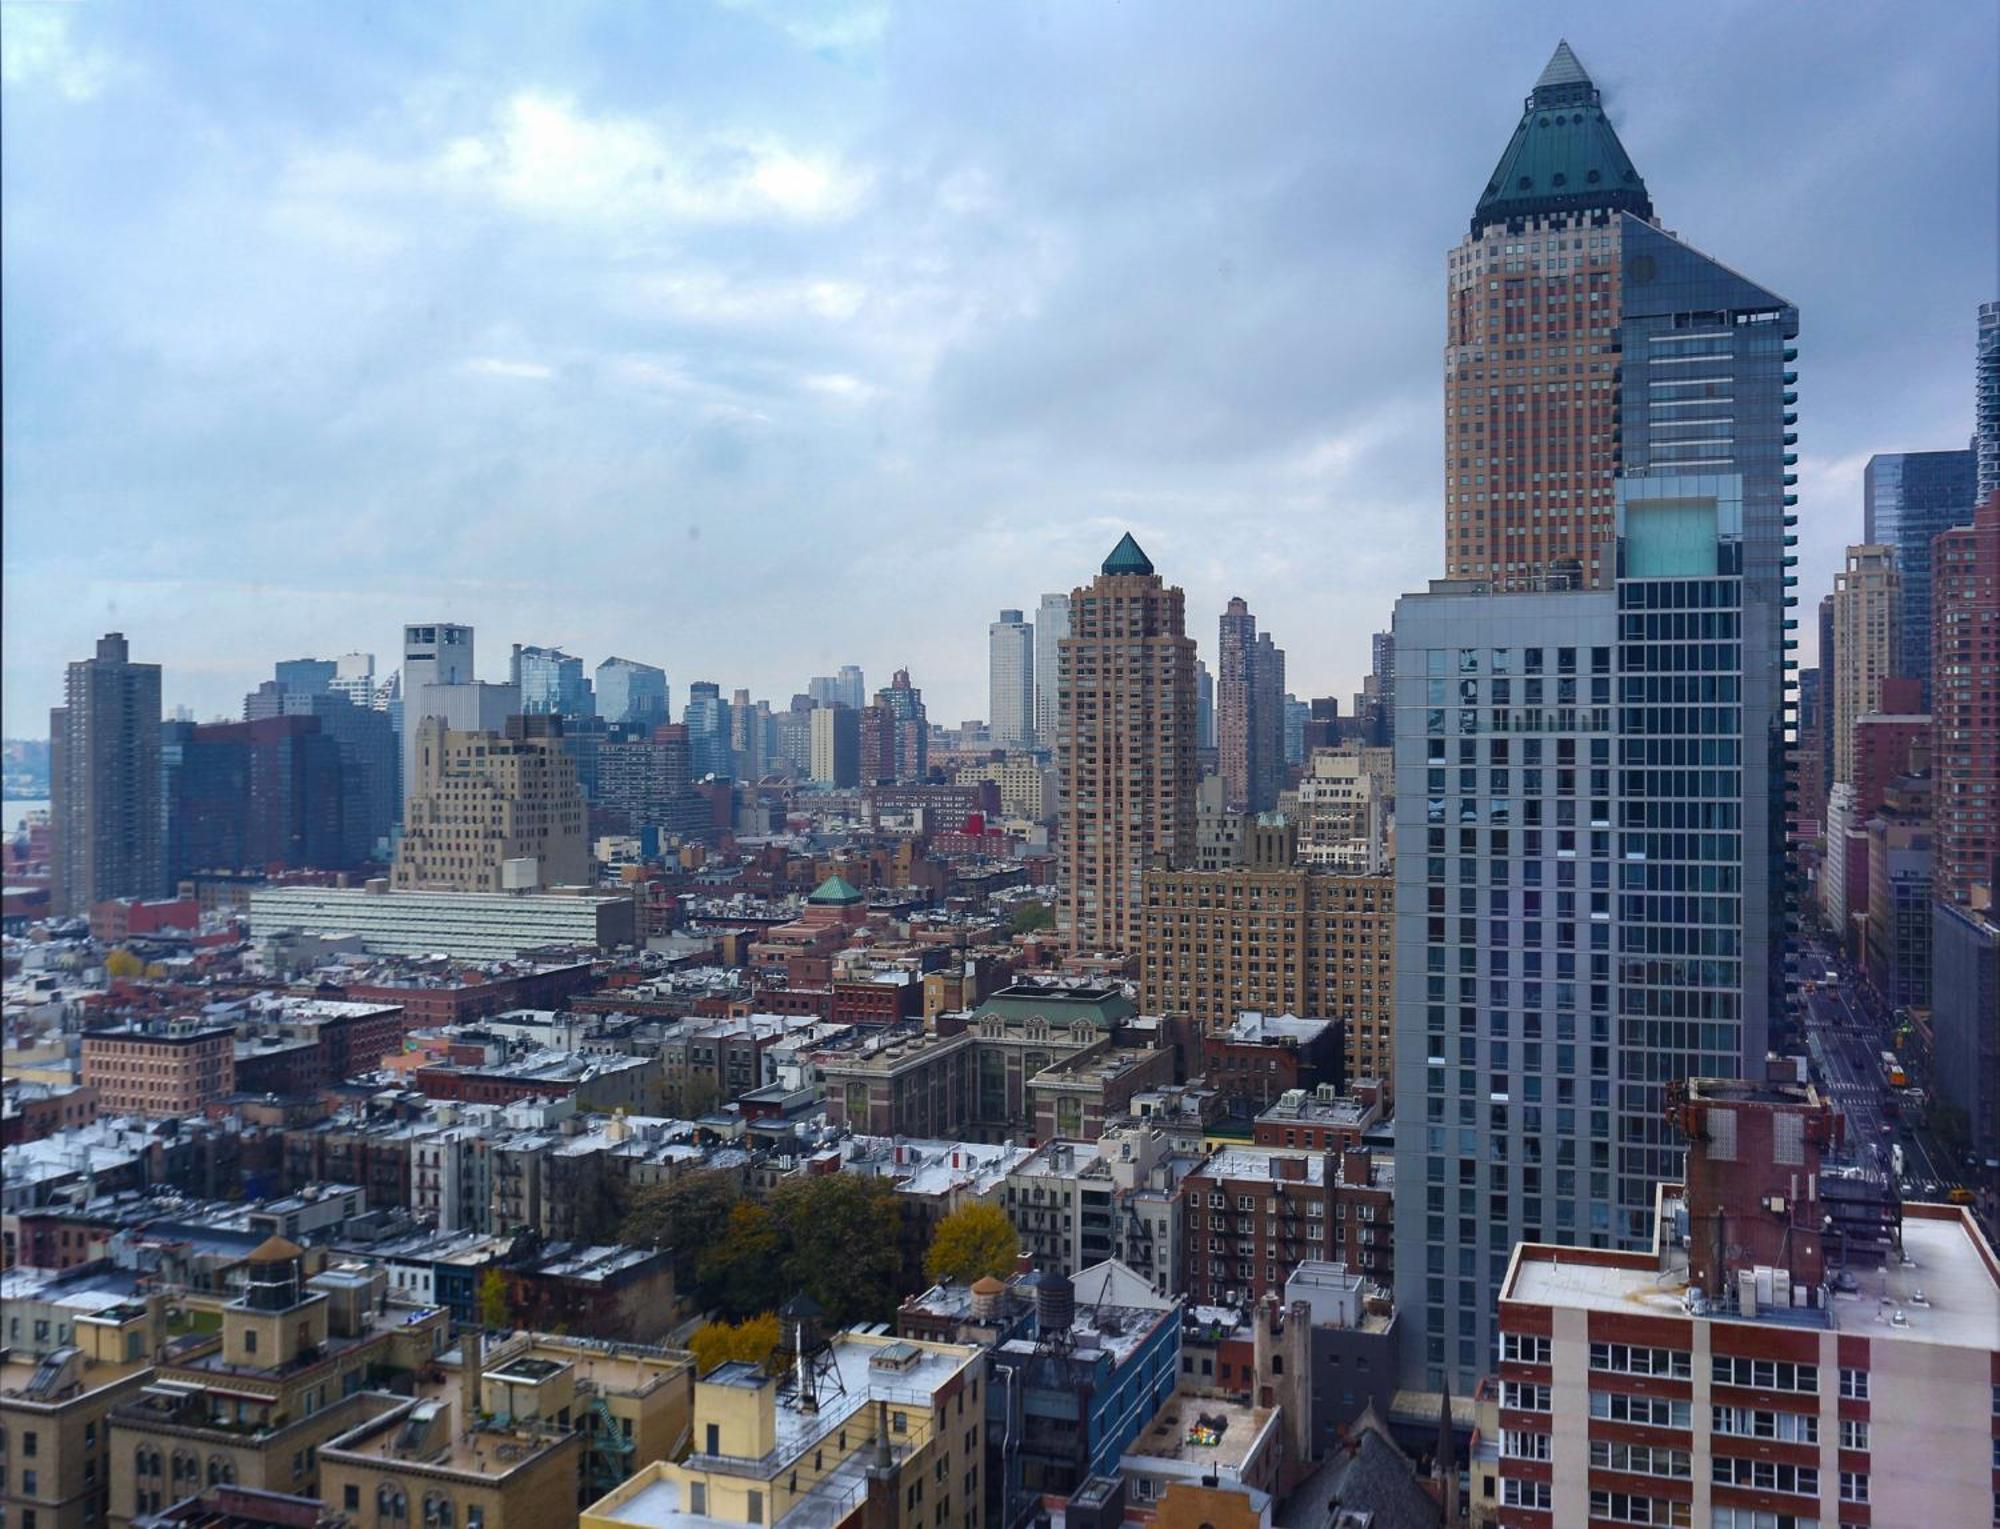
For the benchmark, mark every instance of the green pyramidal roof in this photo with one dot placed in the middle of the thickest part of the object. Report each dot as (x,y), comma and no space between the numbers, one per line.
(1564,156)
(1128,557)
(835,889)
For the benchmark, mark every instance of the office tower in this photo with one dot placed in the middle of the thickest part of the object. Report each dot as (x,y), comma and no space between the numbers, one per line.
(1374,703)
(1589,771)
(492,812)
(836,745)
(1908,497)
(749,736)
(261,796)
(1897,936)
(306,676)
(1051,627)
(551,683)
(1126,748)
(793,736)
(629,691)
(1867,643)
(904,703)
(1986,401)
(648,782)
(1343,809)
(1267,718)
(370,762)
(1297,714)
(706,717)
(823,690)
(104,781)
(437,681)
(1010,681)
(354,677)
(1322,725)
(1778,1357)
(1249,712)
(1204,706)
(1275,936)
(1965,704)
(851,690)
(1828,667)
(1965,995)
(1535,291)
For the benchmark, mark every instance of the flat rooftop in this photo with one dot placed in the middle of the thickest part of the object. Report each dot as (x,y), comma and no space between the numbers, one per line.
(1184,1431)
(1949,1265)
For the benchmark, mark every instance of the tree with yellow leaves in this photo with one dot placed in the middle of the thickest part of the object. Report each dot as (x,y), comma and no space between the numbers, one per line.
(753,1339)
(122,964)
(973,1241)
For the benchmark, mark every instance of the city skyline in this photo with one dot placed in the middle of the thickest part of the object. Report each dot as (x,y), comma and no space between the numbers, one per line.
(865,258)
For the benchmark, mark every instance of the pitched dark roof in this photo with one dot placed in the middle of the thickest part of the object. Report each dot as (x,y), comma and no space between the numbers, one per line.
(1564,156)
(1369,1475)
(1128,557)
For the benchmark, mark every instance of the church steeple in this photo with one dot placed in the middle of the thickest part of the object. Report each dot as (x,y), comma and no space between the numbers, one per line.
(1564,156)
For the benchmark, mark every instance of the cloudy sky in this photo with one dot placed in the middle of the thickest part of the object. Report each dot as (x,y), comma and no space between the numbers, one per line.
(752,338)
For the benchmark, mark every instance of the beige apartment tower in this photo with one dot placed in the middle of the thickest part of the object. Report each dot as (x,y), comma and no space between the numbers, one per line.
(1867,636)
(492,812)
(1126,746)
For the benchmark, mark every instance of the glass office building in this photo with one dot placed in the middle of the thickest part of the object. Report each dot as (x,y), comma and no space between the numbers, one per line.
(1907,498)
(1591,891)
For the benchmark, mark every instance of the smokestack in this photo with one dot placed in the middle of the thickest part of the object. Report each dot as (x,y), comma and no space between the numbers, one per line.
(469,1356)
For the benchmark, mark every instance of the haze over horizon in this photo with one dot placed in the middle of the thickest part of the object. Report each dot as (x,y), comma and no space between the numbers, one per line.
(750,340)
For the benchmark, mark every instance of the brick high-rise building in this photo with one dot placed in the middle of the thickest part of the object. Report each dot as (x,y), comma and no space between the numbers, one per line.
(1867,642)
(1126,746)
(1531,387)
(104,781)
(1965,703)
(482,801)
(1280,938)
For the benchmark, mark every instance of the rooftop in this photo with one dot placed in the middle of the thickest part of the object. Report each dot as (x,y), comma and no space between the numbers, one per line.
(426,1432)
(1947,1289)
(1564,155)
(1205,1433)
(1256,1163)
(1255,1028)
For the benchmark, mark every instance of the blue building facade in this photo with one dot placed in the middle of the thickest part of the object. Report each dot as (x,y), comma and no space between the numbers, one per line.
(1908,497)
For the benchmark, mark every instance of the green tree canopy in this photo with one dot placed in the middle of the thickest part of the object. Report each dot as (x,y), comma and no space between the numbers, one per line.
(973,1241)
(839,1232)
(1031,916)
(687,1216)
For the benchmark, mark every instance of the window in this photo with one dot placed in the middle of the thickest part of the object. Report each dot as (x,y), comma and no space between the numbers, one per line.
(1854,1384)
(1766,1374)
(1854,1433)
(28,1443)
(1765,1475)
(1629,1508)
(1631,1359)
(1651,1411)
(1518,1445)
(1854,1486)
(1524,1348)
(1640,1459)
(350,1498)
(1522,1397)
(1525,1494)
(697,1497)
(250,1340)
(1749,1423)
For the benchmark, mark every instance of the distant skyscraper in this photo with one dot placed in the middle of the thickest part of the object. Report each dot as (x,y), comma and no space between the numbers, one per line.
(629,691)
(908,732)
(707,719)
(1965,705)
(1539,279)
(437,681)
(551,683)
(354,677)
(1204,706)
(370,768)
(824,690)
(1126,748)
(1249,712)
(1828,668)
(1297,714)
(258,796)
(853,689)
(1051,627)
(1907,498)
(1590,886)
(306,676)
(836,745)
(1867,642)
(1986,401)
(1010,681)
(104,781)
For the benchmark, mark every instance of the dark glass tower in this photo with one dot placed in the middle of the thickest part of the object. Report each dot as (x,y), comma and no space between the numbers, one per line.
(1907,499)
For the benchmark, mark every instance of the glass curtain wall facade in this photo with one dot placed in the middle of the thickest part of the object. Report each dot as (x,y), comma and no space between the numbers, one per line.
(1908,498)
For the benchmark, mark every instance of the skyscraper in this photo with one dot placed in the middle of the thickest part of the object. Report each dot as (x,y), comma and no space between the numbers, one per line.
(1126,746)
(1204,706)
(629,691)
(261,795)
(1010,681)
(836,745)
(438,682)
(493,812)
(551,683)
(1590,724)
(907,731)
(1907,498)
(1965,705)
(1249,712)
(853,689)
(1051,627)
(1986,401)
(707,717)
(1867,643)
(1535,292)
(104,781)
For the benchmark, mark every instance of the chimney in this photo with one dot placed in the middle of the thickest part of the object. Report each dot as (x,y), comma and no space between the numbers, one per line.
(1355,1163)
(469,1357)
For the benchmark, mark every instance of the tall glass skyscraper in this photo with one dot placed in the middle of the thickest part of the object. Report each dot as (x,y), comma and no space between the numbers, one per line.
(1590,730)
(551,683)
(1907,498)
